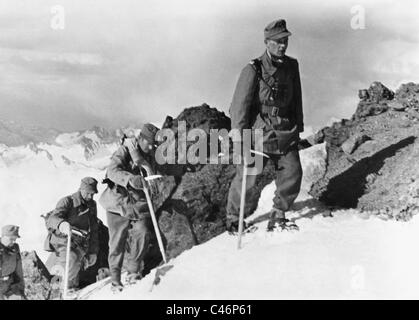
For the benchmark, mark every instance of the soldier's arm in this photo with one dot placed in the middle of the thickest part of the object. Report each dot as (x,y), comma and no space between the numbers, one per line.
(94,230)
(116,171)
(59,214)
(243,99)
(298,100)
(18,286)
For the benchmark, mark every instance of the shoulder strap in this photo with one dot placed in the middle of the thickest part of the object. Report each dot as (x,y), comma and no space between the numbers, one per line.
(257,65)
(1,261)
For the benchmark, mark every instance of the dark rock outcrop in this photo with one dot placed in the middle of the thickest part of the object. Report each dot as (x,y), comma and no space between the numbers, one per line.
(191,204)
(37,277)
(371,158)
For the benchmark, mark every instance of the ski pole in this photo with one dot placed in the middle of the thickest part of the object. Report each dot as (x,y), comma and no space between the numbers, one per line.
(153,218)
(67,265)
(242,203)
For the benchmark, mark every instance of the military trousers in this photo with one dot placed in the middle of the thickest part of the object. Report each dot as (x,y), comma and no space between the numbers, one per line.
(75,264)
(8,290)
(5,287)
(288,183)
(127,237)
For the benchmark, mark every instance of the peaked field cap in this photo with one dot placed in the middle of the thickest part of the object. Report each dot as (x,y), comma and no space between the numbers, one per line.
(149,132)
(10,231)
(276,30)
(89,184)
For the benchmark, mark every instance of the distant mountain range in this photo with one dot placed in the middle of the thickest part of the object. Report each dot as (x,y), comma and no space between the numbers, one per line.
(14,134)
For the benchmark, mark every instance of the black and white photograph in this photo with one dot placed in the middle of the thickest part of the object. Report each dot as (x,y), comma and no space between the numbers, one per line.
(209,150)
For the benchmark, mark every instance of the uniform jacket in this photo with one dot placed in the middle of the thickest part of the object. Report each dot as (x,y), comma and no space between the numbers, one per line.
(125,163)
(11,269)
(80,214)
(253,98)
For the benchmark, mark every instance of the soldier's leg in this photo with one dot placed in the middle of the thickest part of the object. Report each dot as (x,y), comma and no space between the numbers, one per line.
(139,240)
(4,287)
(234,194)
(288,180)
(153,256)
(76,257)
(118,234)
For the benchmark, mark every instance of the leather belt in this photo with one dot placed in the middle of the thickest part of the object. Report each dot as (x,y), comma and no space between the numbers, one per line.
(272,111)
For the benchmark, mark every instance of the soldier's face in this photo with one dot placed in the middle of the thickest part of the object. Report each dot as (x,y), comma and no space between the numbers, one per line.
(277,47)
(8,241)
(145,145)
(87,195)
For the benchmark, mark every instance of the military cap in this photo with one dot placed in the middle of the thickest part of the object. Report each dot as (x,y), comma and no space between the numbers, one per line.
(10,231)
(276,30)
(149,132)
(89,184)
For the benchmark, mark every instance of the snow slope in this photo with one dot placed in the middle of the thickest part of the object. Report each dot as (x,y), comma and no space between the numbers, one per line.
(33,179)
(348,256)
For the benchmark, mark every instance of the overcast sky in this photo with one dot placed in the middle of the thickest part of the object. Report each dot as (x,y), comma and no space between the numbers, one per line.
(123,61)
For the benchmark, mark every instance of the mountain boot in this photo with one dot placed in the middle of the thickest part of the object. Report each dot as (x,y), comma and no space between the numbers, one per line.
(116,286)
(278,221)
(232,225)
(133,277)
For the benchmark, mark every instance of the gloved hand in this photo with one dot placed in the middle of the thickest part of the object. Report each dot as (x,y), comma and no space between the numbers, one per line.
(136,182)
(91,259)
(64,227)
(153,187)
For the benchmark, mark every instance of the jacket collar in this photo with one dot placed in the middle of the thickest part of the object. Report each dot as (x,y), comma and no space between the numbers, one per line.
(3,248)
(268,65)
(77,199)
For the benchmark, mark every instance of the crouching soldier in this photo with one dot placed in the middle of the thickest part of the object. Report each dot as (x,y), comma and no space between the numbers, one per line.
(76,213)
(12,285)
(128,216)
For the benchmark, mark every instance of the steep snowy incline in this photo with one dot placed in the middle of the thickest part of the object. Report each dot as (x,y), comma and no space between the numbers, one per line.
(347,256)
(33,179)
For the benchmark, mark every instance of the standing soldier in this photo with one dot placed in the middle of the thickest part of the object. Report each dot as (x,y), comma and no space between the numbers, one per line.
(76,213)
(12,285)
(268,97)
(128,216)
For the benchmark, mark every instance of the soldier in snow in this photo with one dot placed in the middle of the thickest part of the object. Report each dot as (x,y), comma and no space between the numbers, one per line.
(12,284)
(268,97)
(76,213)
(129,221)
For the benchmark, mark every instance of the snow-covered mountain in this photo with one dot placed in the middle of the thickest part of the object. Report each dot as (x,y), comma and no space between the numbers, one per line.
(347,256)
(350,255)
(34,177)
(13,133)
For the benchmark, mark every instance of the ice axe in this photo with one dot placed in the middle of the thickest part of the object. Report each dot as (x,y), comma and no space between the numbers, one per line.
(243,196)
(67,265)
(153,216)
